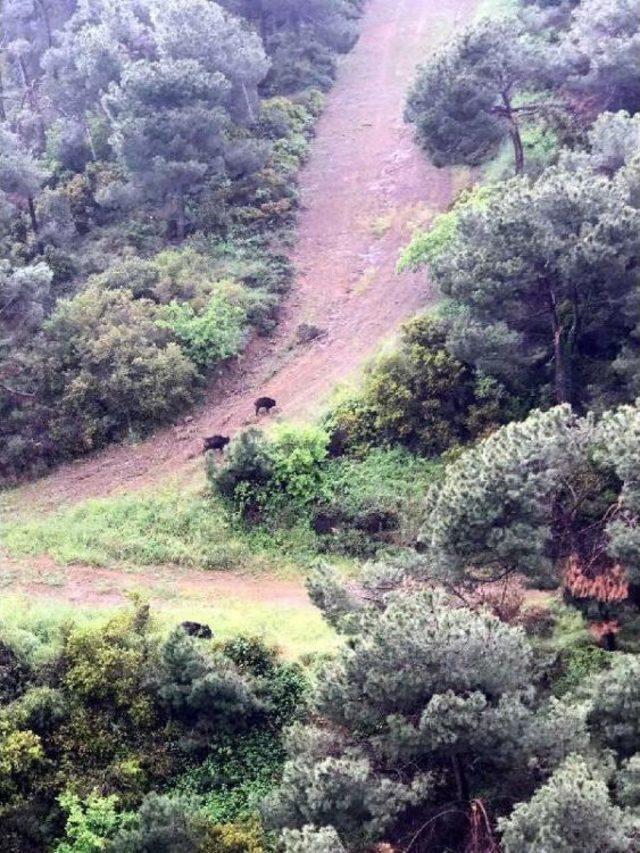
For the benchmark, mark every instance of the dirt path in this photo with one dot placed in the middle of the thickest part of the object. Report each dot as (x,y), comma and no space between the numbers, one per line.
(42,577)
(364,190)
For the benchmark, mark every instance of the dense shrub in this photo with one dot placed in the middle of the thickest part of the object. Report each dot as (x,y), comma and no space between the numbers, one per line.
(261,475)
(210,337)
(116,713)
(154,138)
(421,397)
(107,369)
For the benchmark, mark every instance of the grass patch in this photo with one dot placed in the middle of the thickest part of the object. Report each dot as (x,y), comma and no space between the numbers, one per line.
(496,9)
(35,625)
(365,281)
(381,225)
(182,528)
(297,630)
(387,483)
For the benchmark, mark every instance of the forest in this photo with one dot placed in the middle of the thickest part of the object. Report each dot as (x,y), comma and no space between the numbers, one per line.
(147,172)
(464,517)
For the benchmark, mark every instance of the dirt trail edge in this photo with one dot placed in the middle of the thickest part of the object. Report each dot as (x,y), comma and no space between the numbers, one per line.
(364,189)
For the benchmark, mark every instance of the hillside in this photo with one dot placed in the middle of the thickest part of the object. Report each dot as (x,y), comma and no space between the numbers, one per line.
(398,611)
(364,190)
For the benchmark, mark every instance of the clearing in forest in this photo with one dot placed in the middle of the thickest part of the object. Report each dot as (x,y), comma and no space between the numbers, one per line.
(364,189)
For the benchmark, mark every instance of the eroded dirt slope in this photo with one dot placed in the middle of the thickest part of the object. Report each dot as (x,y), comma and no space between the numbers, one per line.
(364,189)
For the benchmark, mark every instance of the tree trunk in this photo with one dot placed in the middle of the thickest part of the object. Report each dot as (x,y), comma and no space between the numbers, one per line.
(44,12)
(92,146)
(247,101)
(181,218)
(32,214)
(514,132)
(518,150)
(3,115)
(462,785)
(560,366)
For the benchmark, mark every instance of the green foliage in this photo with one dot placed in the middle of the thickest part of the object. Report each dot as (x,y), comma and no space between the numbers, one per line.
(162,824)
(110,368)
(298,454)
(108,666)
(578,664)
(233,838)
(544,278)
(427,246)
(420,396)
(103,370)
(614,697)
(492,510)
(605,36)
(239,771)
(554,497)
(210,337)
(89,824)
(246,471)
(115,714)
(312,840)
(384,738)
(21,756)
(572,813)
(373,502)
(259,475)
(463,102)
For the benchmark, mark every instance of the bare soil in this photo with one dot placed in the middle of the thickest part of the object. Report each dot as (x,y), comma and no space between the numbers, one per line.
(364,190)
(89,586)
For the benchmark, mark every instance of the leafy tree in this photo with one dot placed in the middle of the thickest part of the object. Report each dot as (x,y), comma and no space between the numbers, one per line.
(468,99)
(544,278)
(422,692)
(300,39)
(606,33)
(614,696)
(206,689)
(25,294)
(572,813)
(200,30)
(555,496)
(492,512)
(21,176)
(169,121)
(613,143)
(420,396)
(90,52)
(162,825)
(108,368)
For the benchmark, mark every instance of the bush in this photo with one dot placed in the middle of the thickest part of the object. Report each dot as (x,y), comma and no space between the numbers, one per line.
(107,370)
(89,824)
(208,337)
(374,502)
(245,472)
(112,714)
(261,475)
(421,397)
(233,838)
